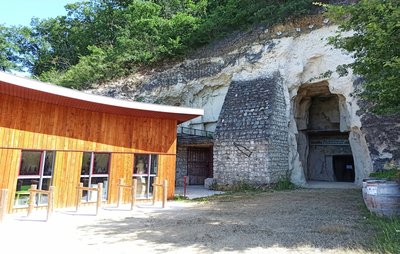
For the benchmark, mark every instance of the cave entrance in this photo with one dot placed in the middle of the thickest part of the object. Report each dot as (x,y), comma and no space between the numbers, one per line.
(324,150)
(343,167)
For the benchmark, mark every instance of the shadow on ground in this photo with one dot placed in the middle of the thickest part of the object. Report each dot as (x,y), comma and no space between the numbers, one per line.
(325,219)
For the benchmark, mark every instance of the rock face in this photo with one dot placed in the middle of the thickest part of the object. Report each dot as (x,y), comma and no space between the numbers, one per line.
(382,135)
(253,97)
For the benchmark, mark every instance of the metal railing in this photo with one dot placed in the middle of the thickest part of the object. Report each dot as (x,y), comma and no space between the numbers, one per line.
(194,132)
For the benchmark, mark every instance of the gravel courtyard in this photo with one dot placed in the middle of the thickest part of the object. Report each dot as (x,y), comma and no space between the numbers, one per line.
(300,221)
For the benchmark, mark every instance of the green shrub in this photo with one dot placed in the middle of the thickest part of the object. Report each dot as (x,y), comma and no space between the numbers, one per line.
(387,238)
(374,44)
(389,174)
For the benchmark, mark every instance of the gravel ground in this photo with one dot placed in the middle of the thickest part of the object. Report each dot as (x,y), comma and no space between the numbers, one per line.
(300,221)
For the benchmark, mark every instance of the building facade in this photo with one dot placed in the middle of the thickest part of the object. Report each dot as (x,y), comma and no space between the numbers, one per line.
(54,136)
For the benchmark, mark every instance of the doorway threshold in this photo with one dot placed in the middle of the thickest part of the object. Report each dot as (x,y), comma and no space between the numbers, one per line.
(330,185)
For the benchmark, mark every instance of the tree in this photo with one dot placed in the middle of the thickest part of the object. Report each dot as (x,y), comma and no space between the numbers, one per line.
(375,45)
(8,58)
(98,40)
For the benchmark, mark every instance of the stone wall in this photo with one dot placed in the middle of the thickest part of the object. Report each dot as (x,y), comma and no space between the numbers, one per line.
(251,136)
(181,165)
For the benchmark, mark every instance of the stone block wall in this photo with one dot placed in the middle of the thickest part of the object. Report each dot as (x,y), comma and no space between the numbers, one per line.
(251,138)
(181,165)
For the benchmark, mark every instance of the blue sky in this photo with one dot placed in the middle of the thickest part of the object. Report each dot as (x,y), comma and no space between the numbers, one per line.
(20,12)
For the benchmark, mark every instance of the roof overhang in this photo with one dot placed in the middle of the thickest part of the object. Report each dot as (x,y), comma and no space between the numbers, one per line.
(40,91)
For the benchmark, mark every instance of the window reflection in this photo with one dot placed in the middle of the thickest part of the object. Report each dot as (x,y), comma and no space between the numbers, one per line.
(95,169)
(30,163)
(48,164)
(36,168)
(141,162)
(86,160)
(154,164)
(101,161)
(142,191)
(145,169)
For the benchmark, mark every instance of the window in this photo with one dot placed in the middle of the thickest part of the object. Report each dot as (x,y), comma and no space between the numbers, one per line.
(144,171)
(36,167)
(95,170)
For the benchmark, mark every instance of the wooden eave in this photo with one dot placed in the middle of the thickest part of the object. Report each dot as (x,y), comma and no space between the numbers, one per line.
(40,91)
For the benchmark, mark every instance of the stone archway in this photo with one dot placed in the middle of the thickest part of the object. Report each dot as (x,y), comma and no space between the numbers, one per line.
(323,145)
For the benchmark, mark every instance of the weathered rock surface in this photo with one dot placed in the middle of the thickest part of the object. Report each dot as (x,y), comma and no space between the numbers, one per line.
(248,95)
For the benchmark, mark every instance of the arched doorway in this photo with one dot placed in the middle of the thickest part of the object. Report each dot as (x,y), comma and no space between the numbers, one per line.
(324,150)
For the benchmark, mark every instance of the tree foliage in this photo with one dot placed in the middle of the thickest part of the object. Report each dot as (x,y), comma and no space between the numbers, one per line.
(375,45)
(9,58)
(103,39)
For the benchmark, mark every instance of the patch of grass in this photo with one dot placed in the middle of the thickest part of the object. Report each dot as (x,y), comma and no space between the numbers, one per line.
(225,196)
(220,197)
(243,189)
(284,184)
(387,238)
(241,186)
(180,198)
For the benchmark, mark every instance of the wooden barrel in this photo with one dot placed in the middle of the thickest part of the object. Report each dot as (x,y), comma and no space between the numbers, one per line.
(382,197)
(364,186)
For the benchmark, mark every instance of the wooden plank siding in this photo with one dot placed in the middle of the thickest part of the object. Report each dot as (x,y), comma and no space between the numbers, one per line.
(35,125)
(67,171)
(9,165)
(167,162)
(121,167)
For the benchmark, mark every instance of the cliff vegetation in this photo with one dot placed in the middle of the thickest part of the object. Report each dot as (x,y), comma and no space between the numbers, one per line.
(99,40)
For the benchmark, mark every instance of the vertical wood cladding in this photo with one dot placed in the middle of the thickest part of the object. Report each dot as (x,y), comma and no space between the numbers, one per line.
(28,124)
(9,165)
(37,125)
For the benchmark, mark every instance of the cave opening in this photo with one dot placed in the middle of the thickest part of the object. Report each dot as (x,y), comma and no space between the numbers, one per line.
(324,150)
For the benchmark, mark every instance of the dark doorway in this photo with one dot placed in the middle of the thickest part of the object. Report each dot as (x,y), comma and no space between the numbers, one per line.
(199,164)
(323,146)
(343,166)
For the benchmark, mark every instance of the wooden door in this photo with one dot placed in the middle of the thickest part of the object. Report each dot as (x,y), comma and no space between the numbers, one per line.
(199,164)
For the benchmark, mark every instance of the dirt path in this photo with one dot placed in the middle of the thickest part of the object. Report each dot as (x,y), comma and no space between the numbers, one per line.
(301,221)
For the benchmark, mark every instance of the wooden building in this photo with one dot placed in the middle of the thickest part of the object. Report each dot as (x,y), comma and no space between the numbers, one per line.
(51,135)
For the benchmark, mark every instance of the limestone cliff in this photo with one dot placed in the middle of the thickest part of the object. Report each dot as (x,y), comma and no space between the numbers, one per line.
(262,72)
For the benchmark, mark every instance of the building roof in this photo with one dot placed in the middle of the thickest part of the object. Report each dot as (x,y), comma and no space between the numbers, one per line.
(40,91)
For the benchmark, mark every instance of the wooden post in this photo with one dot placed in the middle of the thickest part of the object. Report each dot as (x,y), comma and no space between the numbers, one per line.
(79,196)
(32,198)
(134,188)
(184,185)
(120,191)
(3,203)
(165,192)
(50,202)
(99,196)
(155,189)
